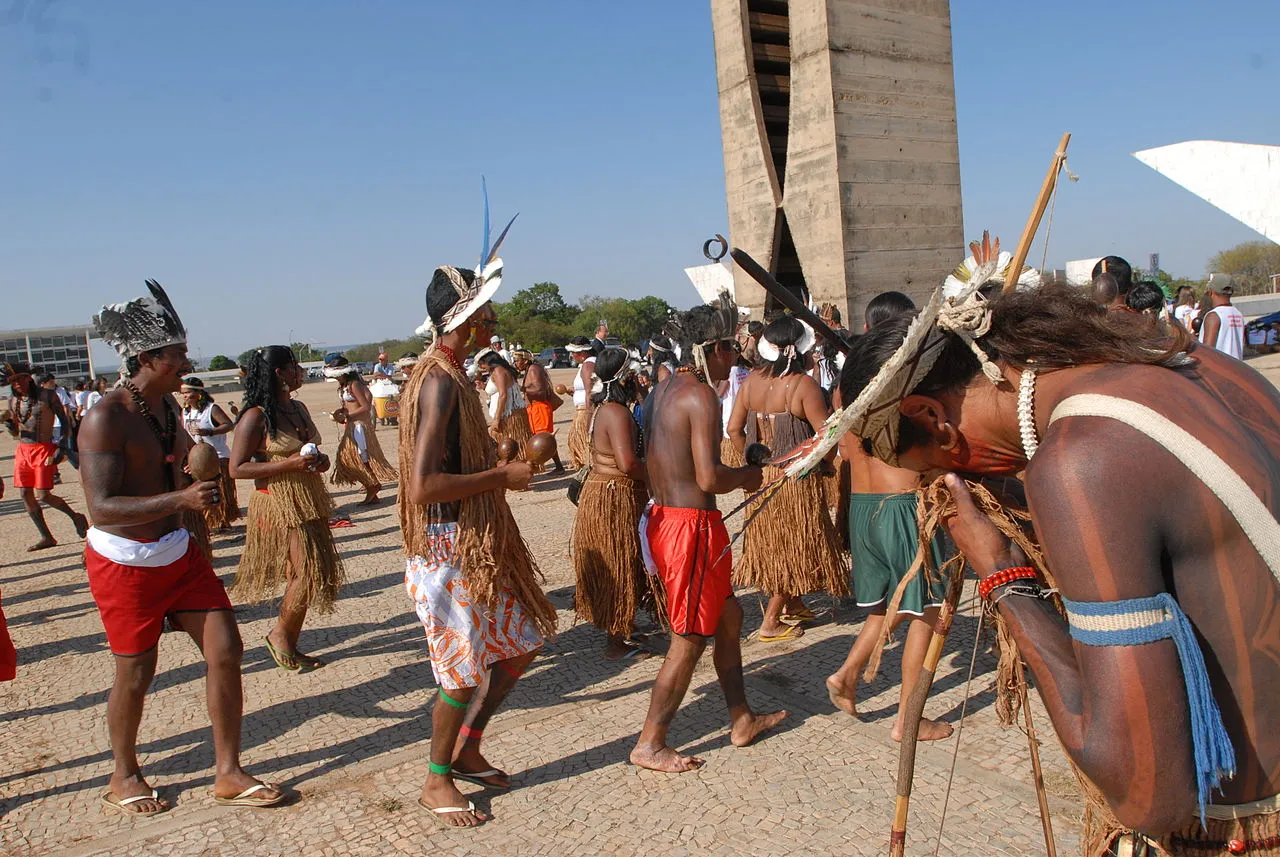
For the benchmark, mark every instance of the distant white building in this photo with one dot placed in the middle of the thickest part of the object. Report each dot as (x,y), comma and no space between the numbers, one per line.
(64,351)
(1080,271)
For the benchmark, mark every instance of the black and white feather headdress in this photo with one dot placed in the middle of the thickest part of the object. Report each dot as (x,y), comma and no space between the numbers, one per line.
(142,324)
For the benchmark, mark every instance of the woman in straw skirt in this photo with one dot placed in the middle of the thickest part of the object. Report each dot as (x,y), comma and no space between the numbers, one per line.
(288,540)
(208,423)
(508,410)
(611,579)
(791,547)
(583,353)
(360,460)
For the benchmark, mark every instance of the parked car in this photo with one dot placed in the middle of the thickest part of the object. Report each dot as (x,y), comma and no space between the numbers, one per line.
(555,358)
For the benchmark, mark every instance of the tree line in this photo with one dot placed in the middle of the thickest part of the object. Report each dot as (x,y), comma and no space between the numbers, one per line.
(536,317)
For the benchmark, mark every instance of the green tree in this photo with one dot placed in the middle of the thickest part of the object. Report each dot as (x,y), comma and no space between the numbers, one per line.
(1250,265)
(220,362)
(542,300)
(629,320)
(395,349)
(245,356)
(305,353)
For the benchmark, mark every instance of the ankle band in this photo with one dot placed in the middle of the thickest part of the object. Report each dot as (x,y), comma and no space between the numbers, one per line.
(471,734)
(450,700)
(442,770)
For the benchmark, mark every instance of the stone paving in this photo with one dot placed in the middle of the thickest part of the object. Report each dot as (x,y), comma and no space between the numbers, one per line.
(352,738)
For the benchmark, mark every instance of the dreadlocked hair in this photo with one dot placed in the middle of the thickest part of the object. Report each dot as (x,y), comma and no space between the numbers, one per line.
(1048,327)
(704,324)
(261,382)
(619,384)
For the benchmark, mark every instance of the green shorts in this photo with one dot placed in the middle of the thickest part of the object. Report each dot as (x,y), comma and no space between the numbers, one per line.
(883,538)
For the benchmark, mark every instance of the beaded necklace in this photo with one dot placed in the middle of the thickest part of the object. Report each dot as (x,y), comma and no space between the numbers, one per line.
(165,436)
(451,357)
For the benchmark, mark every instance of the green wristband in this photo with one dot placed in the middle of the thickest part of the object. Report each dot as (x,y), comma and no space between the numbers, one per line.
(442,770)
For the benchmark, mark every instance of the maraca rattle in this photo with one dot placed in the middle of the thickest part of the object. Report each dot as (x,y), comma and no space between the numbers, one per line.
(202,463)
(757,455)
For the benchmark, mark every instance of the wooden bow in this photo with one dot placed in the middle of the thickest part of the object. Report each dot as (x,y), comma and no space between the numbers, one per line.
(920,693)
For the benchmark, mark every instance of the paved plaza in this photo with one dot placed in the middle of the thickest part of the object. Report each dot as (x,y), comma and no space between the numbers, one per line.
(351,739)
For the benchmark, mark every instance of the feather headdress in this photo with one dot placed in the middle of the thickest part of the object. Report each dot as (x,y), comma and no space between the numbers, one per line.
(142,324)
(986,264)
(874,414)
(474,288)
(701,326)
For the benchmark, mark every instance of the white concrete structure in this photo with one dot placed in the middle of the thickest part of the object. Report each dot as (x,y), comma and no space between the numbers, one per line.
(1242,179)
(1080,271)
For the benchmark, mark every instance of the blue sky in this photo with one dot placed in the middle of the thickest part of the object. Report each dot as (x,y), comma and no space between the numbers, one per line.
(300,166)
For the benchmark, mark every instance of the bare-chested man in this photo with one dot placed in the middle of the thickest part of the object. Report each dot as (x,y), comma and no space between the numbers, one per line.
(686,536)
(143,565)
(883,539)
(1106,414)
(459,534)
(32,411)
(542,399)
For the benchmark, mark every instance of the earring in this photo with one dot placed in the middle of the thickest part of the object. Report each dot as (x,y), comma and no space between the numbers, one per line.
(953,437)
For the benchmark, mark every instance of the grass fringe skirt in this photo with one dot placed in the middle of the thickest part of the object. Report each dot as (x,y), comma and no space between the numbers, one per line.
(579,440)
(792,547)
(296,507)
(611,579)
(227,512)
(516,427)
(349,469)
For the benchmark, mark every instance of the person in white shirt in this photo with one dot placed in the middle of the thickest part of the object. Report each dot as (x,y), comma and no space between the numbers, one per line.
(208,423)
(1223,326)
(1185,311)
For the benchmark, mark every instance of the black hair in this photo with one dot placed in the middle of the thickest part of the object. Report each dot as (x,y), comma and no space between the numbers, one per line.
(261,382)
(582,340)
(612,368)
(1118,268)
(1144,296)
(45,377)
(193,381)
(705,323)
(885,306)
(1105,289)
(1052,326)
(441,294)
(493,360)
(80,385)
(755,328)
(783,332)
(132,366)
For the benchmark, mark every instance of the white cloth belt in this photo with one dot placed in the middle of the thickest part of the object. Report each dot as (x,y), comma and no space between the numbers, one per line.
(645,553)
(170,548)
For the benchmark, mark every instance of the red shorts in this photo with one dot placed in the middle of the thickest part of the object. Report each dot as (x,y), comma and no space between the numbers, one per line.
(690,549)
(29,467)
(541,418)
(134,601)
(8,654)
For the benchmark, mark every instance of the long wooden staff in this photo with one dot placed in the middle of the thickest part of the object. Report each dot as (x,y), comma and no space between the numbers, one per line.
(920,693)
(788,299)
(915,711)
(1037,212)
(1051,849)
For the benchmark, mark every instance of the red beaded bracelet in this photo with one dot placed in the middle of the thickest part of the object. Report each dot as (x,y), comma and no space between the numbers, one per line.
(1003,576)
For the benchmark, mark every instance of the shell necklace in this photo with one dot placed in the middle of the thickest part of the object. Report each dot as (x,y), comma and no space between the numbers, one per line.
(1027,412)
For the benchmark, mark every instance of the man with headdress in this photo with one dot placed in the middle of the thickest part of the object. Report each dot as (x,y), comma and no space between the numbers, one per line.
(33,410)
(1162,680)
(683,535)
(472,580)
(144,565)
(541,398)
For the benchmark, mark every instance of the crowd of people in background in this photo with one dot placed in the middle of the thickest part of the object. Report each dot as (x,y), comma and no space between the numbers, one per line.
(659,430)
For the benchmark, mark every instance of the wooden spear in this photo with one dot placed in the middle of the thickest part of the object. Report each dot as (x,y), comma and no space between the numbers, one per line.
(1037,212)
(915,711)
(1051,849)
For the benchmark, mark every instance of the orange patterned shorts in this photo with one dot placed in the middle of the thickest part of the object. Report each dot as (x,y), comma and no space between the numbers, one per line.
(464,638)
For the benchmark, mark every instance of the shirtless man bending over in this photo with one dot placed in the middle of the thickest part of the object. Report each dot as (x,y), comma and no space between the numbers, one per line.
(143,564)
(687,538)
